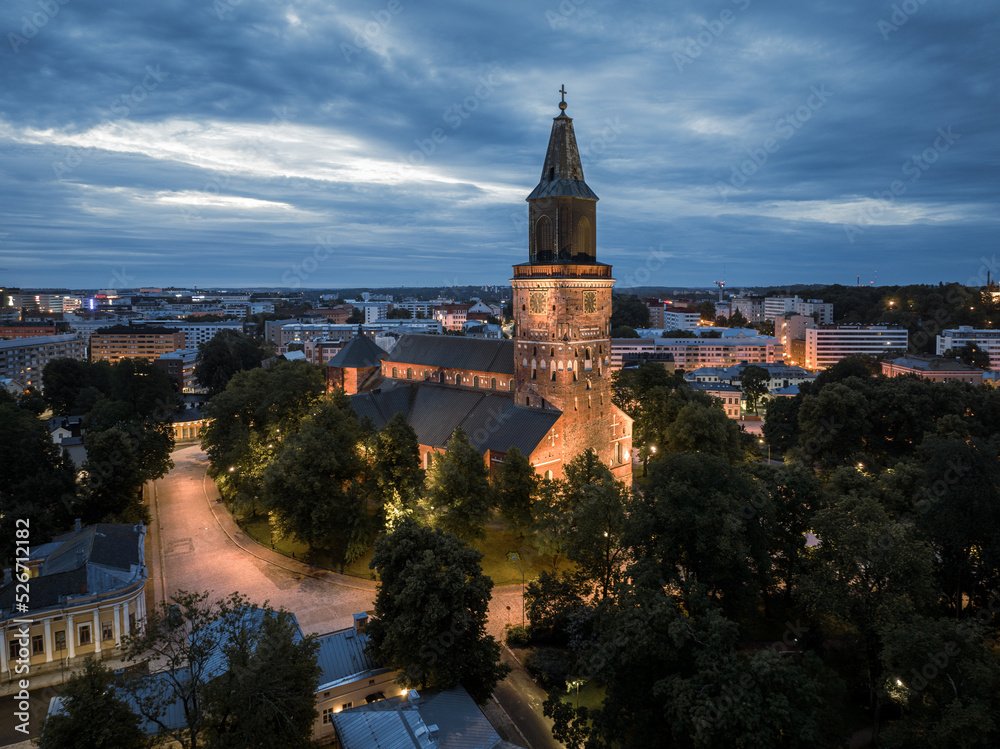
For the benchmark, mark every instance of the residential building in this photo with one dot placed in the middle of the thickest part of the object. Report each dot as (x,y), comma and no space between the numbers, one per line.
(779,375)
(179,366)
(85,323)
(623,347)
(791,327)
(827,344)
(933,368)
(821,312)
(691,353)
(67,433)
(139,342)
(15,330)
(195,333)
(88,590)
(986,340)
(422,310)
(187,424)
(751,307)
(680,318)
(452,316)
(730,396)
(24,359)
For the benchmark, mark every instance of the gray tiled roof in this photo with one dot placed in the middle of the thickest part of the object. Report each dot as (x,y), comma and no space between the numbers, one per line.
(455,352)
(400,729)
(360,351)
(490,418)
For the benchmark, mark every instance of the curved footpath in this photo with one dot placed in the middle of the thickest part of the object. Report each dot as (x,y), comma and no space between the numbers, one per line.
(195,545)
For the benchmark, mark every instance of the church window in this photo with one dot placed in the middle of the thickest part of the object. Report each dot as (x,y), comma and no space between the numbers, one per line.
(548,475)
(493,383)
(458,379)
(583,245)
(510,385)
(590,403)
(534,351)
(576,404)
(543,364)
(427,375)
(394,373)
(409,373)
(588,383)
(543,238)
(553,375)
(618,452)
(441,377)
(552,351)
(534,372)
(475,381)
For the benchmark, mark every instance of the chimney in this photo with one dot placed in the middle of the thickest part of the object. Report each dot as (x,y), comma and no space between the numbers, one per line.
(77,525)
(80,558)
(7,576)
(360,622)
(433,731)
(413,696)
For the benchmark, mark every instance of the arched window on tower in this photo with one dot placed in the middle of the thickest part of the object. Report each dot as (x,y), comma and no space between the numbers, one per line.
(475,381)
(618,452)
(409,373)
(493,383)
(458,379)
(582,244)
(544,240)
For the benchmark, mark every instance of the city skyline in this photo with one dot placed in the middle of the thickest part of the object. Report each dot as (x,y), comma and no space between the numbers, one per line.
(231,144)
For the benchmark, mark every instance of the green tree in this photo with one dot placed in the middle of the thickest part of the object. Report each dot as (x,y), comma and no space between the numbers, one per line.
(945,678)
(970,353)
(431,608)
(240,673)
(94,715)
(552,602)
(112,480)
(753,381)
(314,483)
(399,314)
(37,481)
(629,311)
(460,492)
(225,354)
(738,320)
(145,390)
(630,387)
(833,426)
(357,316)
(64,382)
(624,331)
(553,520)
(396,470)
(515,485)
(706,310)
(781,422)
(869,573)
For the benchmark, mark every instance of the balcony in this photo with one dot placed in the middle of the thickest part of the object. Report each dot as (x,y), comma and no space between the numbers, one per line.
(596,270)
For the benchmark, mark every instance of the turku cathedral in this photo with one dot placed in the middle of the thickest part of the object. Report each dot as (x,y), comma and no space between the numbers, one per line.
(547,391)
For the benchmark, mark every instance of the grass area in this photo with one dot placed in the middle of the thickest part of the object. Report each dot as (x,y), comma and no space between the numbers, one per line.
(591,696)
(495,547)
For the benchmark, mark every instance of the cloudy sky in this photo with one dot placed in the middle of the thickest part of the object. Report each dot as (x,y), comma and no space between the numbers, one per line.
(318,143)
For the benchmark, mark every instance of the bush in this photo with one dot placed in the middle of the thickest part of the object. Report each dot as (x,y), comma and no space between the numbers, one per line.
(517,636)
(549,665)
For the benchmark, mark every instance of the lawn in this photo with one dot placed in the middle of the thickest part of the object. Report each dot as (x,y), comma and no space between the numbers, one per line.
(495,548)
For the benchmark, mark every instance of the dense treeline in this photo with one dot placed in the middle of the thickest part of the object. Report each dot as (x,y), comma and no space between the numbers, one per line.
(125,407)
(713,623)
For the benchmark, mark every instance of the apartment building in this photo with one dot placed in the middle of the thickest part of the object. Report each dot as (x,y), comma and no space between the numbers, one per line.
(23,359)
(986,340)
(828,344)
(139,342)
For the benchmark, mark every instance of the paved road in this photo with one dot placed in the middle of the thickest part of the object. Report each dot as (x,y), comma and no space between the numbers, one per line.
(196,545)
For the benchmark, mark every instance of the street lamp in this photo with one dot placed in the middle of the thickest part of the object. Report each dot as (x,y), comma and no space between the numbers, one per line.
(768,451)
(512,556)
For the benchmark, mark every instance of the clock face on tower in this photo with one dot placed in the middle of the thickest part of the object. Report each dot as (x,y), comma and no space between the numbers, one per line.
(590,302)
(536,303)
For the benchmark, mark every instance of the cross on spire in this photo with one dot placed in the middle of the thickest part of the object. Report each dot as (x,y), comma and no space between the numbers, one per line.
(562,91)
(562,104)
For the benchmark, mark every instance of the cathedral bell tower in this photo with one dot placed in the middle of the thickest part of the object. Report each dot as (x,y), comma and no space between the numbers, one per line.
(562,302)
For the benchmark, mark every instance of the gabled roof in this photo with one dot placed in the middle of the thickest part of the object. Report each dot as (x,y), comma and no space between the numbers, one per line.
(490,418)
(361,351)
(455,352)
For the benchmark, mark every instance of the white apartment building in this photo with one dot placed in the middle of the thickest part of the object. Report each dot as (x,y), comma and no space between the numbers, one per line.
(692,353)
(85,325)
(828,344)
(789,305)
(986,340)
(196,333)
(680,318)
(23,359)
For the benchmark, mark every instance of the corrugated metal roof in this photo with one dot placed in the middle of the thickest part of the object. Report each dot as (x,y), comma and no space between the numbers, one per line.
(461,723)
(454,352)
(399,729)
(342,654)
(490,418)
